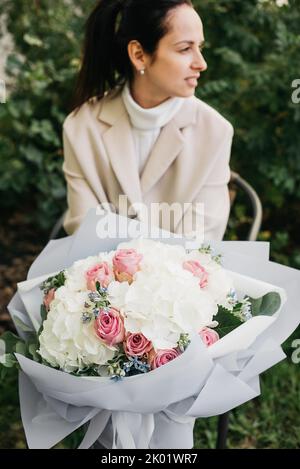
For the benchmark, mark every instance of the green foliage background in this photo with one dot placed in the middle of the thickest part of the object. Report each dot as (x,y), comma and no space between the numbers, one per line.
(253,54)
(47,38)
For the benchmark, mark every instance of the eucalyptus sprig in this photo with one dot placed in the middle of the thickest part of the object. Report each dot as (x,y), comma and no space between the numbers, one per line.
(183,342)
(207,249)
(242,309)
(55,282)
(115,365)
(98,300)
(11,344)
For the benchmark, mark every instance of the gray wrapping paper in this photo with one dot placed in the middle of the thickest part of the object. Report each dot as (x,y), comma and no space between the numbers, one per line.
(158,409)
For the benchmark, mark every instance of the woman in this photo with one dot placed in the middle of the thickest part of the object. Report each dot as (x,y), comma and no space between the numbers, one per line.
(137,128)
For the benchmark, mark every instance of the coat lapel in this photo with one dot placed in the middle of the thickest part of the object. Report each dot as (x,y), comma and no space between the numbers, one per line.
(119,145)
(168,145)
(166,148)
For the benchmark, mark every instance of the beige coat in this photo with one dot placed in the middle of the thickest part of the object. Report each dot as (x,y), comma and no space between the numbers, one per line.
(189,163)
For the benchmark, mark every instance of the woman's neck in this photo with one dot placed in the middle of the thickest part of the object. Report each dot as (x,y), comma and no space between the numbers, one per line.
(143,95)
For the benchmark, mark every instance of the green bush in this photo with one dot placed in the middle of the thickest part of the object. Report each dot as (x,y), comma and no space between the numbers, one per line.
(47,38)
(253,51)
(253,56)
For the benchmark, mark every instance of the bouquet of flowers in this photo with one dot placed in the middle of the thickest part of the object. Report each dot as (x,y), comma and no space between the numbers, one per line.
(137,340)
(132,310)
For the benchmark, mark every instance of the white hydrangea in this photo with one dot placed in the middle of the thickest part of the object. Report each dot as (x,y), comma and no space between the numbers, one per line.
(165,300)
(65,341)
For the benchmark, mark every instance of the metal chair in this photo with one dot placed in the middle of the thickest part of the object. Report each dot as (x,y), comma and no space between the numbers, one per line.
(240,183)
(247,189)
(257,214)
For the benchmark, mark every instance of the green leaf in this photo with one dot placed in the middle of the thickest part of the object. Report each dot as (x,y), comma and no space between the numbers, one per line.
(8,360)
(21,348)
(3,372)
(43,312)
(227,321)
(11,341)
(55,281)
(266,305)
(32,350)
(32,40)
(32,154)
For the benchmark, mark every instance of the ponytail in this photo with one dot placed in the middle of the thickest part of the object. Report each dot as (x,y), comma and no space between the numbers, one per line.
(97,69)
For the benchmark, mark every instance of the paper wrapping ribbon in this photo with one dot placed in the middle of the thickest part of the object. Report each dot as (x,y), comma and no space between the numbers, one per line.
(155,410)
(58,413)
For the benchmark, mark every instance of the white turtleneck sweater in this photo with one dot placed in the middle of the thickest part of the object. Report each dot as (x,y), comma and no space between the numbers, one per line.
(147,123)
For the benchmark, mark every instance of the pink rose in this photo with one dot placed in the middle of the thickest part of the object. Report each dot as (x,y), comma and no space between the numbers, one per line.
(209,336)
(48,298)
(109,326)
(101,273)
(136,345)
(126,264)
(198,271)
(161,357)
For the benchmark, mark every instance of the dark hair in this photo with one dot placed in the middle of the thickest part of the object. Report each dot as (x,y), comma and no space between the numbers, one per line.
(109,28)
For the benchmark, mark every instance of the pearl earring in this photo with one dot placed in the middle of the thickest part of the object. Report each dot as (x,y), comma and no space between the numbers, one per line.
(142,72)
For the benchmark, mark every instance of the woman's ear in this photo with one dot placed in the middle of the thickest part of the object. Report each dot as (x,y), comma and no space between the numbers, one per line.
(137,55)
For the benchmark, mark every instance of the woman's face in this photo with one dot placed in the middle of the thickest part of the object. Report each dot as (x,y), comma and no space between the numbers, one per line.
(178,60)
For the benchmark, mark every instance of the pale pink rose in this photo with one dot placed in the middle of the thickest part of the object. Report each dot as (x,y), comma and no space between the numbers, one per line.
(48,298)
(161,357)
(198,271)
(126,263)
(101,273)
(209,336)
(136,345)
(109,326)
